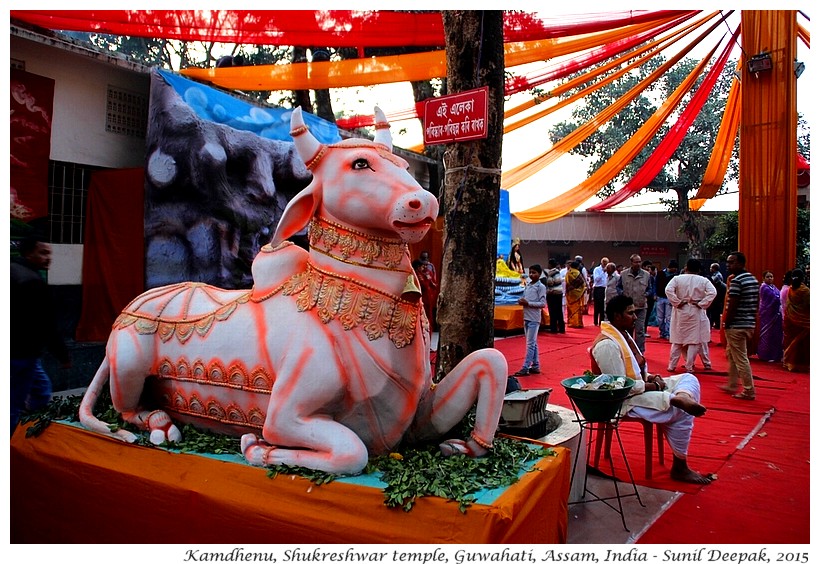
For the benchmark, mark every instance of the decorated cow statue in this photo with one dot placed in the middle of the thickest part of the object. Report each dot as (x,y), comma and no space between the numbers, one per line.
(325,361)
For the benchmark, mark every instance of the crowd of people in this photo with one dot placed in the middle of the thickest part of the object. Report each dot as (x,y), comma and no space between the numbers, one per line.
(754,318)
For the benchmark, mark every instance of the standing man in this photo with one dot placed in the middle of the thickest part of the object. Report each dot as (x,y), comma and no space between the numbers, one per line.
(612,278)
(663,310)
(634,283)
(33,329)
(599,291)
(690,295)
(739,325)
(533,300)
(555,297)
(716,309)
(650,294)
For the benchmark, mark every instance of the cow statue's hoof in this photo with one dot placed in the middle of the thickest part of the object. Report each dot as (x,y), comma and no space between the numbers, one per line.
(256,451)
(162,429)
(457,447)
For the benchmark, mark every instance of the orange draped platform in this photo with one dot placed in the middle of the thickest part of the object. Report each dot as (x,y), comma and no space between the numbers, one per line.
(71,486)
(511,318)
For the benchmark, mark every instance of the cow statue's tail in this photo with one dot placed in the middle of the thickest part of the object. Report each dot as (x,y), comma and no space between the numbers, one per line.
(87,418)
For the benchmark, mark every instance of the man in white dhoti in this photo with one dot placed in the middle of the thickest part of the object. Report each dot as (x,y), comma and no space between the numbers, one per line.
(672,402)
(690,295)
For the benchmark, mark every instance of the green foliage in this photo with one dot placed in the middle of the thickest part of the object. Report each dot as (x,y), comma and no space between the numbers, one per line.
(683,173)
(424,471)
(419,471)
(725,238)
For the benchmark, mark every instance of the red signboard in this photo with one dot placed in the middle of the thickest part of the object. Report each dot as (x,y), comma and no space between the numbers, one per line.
(456,117)
(654,250)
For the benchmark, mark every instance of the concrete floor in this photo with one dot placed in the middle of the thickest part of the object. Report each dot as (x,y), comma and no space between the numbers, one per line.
(593,522)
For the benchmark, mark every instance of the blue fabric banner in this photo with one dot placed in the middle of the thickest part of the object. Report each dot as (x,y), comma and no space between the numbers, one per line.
(271,123)
(504,225)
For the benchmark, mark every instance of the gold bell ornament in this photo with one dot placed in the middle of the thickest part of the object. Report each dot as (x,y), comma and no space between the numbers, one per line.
(411,291)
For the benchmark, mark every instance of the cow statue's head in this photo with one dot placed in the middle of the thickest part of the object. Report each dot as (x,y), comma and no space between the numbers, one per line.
(359,183)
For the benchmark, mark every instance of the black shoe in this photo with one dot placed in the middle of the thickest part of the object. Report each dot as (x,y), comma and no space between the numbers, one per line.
(534,371)
(522,372)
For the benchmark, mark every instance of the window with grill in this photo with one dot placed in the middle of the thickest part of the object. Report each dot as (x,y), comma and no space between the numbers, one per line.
(126,112)
(67,194)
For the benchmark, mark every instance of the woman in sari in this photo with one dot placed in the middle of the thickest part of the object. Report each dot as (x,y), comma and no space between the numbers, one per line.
(770,321)
(576,287)
(796,344)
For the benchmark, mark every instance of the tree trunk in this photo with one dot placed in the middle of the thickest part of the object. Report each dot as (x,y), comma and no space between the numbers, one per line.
(324,106)
(475,58)
(301,98)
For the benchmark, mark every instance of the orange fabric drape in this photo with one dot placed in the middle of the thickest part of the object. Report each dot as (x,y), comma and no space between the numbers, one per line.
(804,35)
(767,220)
(673,138)
(527,169)
(396,68)
(128,493)
(722,151)
(643,54)
(568,201)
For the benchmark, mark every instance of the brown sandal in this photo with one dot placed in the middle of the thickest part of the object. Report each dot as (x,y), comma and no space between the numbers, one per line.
(744,395)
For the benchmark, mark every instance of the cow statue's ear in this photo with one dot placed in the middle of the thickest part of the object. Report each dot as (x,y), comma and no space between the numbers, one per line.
(296,216)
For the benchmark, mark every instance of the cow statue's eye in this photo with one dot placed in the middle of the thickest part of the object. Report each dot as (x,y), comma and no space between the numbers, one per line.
(361,164)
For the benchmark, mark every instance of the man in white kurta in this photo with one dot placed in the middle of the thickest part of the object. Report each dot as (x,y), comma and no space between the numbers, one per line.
(672,402)
(690,295)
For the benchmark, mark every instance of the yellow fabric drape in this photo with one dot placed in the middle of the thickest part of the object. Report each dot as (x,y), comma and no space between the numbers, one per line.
(396,68)
(722,151)
(527,169)
(568,201)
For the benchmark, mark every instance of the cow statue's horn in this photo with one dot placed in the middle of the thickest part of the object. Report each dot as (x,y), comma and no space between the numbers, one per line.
(306,144)
(382,135)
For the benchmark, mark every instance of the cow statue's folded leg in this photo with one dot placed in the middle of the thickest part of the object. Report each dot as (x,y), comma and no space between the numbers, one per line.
(479,379)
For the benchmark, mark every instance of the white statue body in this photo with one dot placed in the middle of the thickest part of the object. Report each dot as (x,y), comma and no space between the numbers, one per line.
(325,361)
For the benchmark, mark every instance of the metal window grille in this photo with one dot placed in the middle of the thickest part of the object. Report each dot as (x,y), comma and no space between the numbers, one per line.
(126,112)
(67,194)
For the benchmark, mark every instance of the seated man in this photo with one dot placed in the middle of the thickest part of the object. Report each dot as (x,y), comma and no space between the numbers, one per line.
(672,402)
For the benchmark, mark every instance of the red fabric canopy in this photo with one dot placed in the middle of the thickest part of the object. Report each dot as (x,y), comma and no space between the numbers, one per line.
(311,28)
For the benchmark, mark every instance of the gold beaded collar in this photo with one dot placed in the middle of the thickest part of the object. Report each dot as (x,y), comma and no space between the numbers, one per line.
(354,247)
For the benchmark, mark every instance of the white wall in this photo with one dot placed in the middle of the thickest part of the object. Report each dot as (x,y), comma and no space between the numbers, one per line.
(81,84)
(66,265)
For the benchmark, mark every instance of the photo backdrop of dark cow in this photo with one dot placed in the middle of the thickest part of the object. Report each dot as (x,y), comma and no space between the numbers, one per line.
(219,172)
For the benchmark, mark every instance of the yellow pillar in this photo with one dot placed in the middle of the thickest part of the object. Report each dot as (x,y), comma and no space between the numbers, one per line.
(767,213)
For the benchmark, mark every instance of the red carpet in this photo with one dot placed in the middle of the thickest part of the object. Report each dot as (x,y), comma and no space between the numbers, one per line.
(717,435)
(759,449)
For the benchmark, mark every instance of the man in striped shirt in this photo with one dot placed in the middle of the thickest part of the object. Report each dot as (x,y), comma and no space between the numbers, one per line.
(739,325)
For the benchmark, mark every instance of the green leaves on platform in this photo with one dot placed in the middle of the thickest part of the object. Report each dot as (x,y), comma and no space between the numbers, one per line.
(411,472)
(423,471)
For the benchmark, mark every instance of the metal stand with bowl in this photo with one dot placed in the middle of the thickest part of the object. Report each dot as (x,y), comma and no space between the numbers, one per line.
(598,410)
